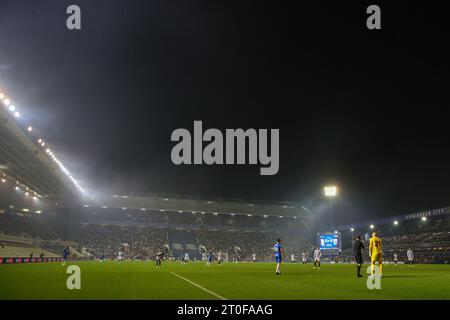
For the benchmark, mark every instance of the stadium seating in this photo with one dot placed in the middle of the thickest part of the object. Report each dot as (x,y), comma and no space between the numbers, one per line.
(8,251)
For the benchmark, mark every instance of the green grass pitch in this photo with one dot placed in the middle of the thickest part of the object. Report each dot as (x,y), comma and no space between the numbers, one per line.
(141,280)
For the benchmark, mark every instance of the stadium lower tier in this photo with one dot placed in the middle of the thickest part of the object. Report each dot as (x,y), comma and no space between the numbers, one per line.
(144,243)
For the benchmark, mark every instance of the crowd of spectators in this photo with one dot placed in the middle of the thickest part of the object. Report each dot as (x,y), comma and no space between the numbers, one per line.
(144,243)
(108,240)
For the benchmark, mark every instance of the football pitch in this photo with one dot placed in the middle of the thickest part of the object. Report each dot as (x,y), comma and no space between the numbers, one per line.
(174,281)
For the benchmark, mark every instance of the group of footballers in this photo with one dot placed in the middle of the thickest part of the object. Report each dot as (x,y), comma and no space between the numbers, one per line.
(279,252)
(375,254)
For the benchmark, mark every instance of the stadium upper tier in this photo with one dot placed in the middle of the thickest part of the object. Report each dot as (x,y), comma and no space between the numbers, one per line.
(198,205)
(24,161)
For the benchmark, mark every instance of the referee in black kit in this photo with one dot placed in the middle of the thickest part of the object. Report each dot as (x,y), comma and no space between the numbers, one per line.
(358,247)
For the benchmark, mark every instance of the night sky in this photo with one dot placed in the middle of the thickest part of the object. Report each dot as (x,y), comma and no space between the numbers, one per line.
(365,110)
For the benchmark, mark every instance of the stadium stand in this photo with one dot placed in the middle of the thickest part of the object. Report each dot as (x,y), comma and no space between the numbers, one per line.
(426,233)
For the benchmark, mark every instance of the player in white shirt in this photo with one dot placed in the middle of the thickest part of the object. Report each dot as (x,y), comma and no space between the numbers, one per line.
(304,257)
(186,257)
(317,255)
(254,257)
(395,258)
(120,256)
(410,255)
(219,257)
(292,258)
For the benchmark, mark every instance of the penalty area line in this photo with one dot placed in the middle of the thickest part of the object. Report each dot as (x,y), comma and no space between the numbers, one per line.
(199,286)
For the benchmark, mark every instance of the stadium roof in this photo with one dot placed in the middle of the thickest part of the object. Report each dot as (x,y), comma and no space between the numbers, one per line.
(384,221)
(26,162)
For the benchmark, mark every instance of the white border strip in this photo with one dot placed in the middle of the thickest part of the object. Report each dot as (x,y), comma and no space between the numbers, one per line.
(199,286)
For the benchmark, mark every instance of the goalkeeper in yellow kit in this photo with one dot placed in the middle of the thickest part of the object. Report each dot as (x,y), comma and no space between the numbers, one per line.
(376,253)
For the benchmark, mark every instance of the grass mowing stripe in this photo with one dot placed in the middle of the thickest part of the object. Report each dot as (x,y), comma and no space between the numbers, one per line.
(199,286)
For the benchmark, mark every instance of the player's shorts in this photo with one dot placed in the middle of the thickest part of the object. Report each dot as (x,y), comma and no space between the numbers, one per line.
(277,259)
(377,257)
(317,259)
(359,258)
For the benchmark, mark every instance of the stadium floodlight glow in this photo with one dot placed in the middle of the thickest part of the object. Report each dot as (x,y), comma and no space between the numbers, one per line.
(209,202)
(180,211)
(2,96)
(372,226)
(249,215)
(330,191)
(352,229)
(424,218)
(12,108)
(104,207)
(6,102)
(3,180)
(30,128)
(143,209)
(395,222)
(162,210)
(34,198)
(335,231)
(17,188)
(17,114)
(48,150)
(166,199)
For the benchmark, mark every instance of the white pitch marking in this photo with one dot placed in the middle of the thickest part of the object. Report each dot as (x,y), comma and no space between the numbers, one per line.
(199,286)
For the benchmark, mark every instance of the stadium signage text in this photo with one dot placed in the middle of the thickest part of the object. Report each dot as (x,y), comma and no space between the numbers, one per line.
(235,139)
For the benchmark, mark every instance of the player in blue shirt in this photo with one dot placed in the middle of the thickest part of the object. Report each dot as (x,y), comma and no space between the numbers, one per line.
(66,253)
(210,258)
(278,249)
